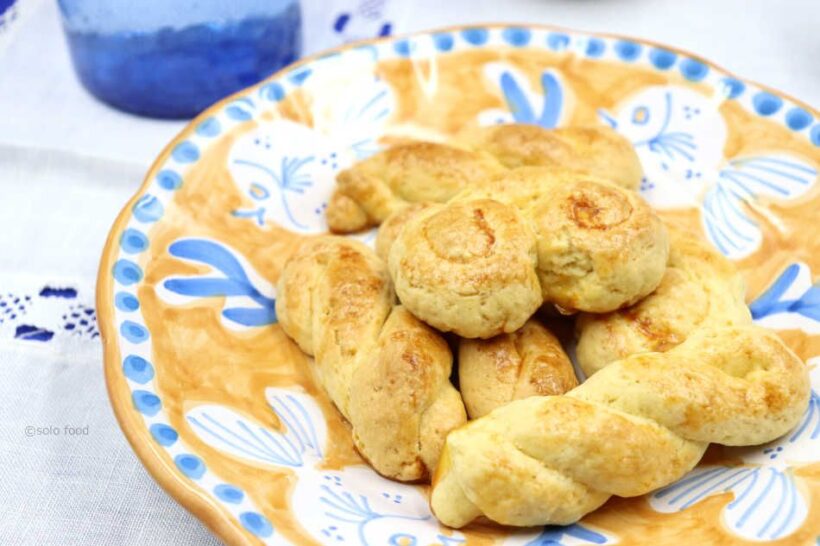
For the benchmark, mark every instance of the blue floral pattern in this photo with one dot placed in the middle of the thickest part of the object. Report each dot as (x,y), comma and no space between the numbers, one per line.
(679,135)
(356,505)
(554,536)
(525,105)
(287,170)
(766,504)
(50,313)
(792,297)
(233,282)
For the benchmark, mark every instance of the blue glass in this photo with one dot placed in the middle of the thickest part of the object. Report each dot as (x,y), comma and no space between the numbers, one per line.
(172,59)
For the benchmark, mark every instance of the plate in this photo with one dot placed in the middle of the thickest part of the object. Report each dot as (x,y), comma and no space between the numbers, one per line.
(217,401)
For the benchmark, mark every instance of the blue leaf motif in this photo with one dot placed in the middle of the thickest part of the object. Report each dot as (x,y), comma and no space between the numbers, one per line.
(522,109)
(234,282)
(553,100)
(250,317)
(206,287)
(773,300)
(207,252)
(553,535)
(517,102)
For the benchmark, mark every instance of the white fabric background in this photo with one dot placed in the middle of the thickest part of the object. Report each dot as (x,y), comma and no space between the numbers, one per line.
(68,163)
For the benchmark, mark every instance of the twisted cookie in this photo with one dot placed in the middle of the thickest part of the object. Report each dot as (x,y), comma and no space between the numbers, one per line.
(416,172)
(495,371)
(371,190)
(637,425)
(598,151)
(700,288)
(481,264)
(387,372)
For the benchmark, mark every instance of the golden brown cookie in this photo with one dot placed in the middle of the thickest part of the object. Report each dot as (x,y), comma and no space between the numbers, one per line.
(467,268)
(528,362)
(387,372)
(637,425)
(462,267)
(392,225)
(598,150)
(372,189)
(700,288)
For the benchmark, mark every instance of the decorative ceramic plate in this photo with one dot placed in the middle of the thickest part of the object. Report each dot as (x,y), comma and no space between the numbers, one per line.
(216,400)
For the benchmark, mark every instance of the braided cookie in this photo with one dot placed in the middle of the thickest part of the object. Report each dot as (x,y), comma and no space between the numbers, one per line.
(700,288)
(527,362)
(369,191)
(481,264)
(386,372)
(639,424)
(598,151)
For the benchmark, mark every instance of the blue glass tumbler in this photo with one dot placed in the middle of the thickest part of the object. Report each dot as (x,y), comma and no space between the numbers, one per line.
(173,58)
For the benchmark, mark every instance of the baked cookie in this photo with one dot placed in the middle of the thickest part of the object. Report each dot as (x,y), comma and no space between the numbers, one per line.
(467,268)
(392,225)
(637,425)
(598,150)
(462,268)
(387,372)
(372,189)
(700,288)
(528,362)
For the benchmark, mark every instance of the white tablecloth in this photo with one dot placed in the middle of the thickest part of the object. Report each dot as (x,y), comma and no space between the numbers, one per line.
(67,163)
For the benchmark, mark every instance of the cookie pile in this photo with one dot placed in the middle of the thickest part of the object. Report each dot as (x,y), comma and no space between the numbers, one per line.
(481,238)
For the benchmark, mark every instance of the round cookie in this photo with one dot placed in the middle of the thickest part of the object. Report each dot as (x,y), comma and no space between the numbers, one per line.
(467,267)
(600,247)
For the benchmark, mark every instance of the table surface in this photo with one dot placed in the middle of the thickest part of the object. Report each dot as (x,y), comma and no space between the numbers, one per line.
(68,162)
